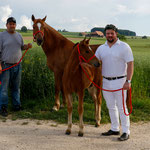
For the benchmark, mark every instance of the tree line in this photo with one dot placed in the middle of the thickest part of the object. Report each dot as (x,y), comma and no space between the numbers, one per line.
(120,31)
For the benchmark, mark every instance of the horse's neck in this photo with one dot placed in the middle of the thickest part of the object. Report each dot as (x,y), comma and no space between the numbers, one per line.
(51,32)
(74,60)
(52,40)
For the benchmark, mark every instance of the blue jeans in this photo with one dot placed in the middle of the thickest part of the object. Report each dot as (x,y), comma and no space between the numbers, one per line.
(10,78)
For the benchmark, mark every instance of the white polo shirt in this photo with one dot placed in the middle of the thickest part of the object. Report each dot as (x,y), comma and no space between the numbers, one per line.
(114,59)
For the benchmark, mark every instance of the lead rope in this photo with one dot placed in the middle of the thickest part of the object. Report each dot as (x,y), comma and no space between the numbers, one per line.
(17,62)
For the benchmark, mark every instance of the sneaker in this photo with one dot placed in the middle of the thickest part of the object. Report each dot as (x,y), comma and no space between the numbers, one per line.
(3,111)
(110,132)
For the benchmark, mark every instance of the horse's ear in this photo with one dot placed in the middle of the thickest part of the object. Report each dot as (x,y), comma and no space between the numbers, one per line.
(87,41)
(84,39)
(44,18)
(33,18)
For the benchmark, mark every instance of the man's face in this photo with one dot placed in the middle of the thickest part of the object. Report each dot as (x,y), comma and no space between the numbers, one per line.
(11,26)
(111,35)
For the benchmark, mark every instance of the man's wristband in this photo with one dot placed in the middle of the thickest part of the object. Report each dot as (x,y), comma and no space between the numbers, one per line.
(129,81)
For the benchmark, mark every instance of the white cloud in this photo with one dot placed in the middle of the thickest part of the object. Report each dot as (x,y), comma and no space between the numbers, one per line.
(74,20)
(143,10)
(76,24)
(25,21)
(124,9)
(80,15)
(140,10)
(5,12)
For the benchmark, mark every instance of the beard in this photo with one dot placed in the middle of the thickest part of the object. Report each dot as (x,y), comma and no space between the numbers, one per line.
(11,30)
(110,41)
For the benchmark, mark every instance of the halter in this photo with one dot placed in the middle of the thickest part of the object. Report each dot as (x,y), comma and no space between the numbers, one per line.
(34,34)
(81,57)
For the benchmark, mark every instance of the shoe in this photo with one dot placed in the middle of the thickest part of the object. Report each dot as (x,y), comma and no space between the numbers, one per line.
(110,132)
(123,137)
(4,111)
(17,108)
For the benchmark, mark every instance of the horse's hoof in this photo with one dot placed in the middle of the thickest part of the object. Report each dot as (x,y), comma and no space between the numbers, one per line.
(80,134)
(68,132)
(62,106)
(55,108)
(97,125)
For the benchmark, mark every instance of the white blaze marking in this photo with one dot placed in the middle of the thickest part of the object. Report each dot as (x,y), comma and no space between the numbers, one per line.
(39,25)
(90,48)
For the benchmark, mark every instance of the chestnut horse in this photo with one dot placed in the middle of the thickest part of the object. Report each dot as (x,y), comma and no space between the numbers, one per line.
(75,80)
(57,49)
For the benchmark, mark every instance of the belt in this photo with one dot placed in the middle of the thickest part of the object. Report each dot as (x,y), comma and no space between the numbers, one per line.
(8,63)
(114,78)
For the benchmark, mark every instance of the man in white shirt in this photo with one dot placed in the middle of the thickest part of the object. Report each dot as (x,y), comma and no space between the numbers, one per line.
(117,72)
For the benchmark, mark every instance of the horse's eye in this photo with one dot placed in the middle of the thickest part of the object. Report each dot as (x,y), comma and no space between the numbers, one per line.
(87,51)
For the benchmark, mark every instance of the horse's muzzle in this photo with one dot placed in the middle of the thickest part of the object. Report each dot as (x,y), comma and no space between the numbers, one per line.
(97,64)
(39,42)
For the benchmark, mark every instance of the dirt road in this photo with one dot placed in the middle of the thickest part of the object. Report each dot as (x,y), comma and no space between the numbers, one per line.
(48,135)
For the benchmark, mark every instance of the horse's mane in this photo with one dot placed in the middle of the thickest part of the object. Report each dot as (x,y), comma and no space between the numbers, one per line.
(53,31)
(75,45)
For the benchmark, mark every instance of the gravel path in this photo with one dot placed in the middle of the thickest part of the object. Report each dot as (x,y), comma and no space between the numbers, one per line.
(48,135)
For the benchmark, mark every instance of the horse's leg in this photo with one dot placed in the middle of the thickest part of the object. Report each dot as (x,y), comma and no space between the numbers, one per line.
(80,111)
(57,91)
(69,108)
(96,96)
(98,108)
(64,99)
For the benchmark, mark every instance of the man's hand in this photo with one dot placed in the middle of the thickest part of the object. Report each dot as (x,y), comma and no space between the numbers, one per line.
(26,46)
(126,86)
(0,69)
(29,45)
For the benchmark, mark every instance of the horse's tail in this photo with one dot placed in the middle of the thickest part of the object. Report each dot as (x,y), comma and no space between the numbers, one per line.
(128,99)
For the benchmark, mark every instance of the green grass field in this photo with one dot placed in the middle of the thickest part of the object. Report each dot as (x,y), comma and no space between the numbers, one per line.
(37,88)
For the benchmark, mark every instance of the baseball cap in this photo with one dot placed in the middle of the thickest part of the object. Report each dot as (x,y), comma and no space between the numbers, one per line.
(11,19)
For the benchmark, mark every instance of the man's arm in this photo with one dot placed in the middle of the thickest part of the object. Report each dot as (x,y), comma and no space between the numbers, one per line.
(130,69)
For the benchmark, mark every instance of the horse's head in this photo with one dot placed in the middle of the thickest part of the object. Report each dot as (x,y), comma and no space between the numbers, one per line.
(86,54)
(38,30)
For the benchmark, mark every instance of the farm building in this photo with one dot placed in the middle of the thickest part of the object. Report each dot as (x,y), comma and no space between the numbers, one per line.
(82,34)
(92,34)
(97,34)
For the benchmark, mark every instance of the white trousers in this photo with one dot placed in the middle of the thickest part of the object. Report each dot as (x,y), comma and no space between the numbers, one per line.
(115,105)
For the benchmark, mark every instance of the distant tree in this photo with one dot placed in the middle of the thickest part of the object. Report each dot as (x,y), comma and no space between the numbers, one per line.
(64,30)
(121,37)
(24,29)
(80,34)
(144,37)
(120,31)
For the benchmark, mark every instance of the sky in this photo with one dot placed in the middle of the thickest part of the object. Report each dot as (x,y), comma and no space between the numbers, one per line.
(80,15)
